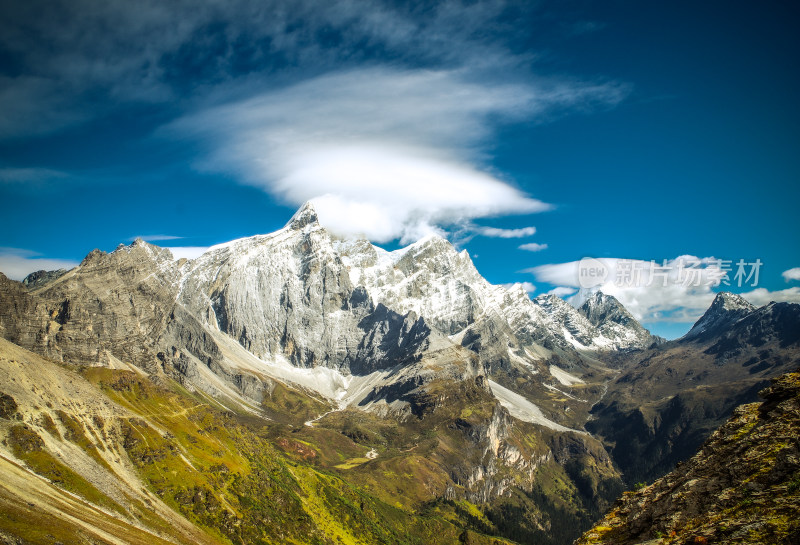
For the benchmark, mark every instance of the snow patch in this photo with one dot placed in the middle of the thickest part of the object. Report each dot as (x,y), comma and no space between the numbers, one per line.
(522,409)
(563,377)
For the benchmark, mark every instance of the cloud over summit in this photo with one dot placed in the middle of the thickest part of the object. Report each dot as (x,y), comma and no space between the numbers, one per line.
(384,152)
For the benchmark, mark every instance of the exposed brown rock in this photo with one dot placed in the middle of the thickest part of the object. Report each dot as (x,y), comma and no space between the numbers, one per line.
(742,487)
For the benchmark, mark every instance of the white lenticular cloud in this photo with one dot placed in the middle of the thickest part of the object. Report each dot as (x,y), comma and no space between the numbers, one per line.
(384,153)
(385,193)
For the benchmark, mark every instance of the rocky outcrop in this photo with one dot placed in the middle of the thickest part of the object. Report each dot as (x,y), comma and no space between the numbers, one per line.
(743,486)
(114,304)
(40,278)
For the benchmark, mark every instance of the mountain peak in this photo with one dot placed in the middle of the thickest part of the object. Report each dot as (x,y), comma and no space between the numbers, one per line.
(727,301)
(726,309)
(615,322)
(599,307)
(305,215)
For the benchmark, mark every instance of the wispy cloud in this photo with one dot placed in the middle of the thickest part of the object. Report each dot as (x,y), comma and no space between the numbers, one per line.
(561,291)
(384,153)
(533,247)
(496,232)
(75,59)
(791,274)
(762,296)
(17,263)
(11,175)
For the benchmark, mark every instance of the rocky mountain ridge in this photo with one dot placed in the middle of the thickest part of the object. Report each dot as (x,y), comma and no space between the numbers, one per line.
(280,313)
(668,399)
(301,299)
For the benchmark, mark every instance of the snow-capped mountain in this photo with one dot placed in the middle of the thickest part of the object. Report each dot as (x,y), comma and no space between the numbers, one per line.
(616,328)
(344,318)
(288,302)
(502,324)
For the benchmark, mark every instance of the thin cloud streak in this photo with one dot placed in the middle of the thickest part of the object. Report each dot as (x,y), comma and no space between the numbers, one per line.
(533,247)
(155,238)
(495,232)
(28,175)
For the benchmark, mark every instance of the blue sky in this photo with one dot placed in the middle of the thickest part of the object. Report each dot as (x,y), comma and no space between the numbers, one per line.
(618,130)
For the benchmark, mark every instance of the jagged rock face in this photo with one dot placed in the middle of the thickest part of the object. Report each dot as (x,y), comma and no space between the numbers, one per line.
(289,295)
(21,316)
(434,280)
(501,324)
(615,323)
(743,486)
(429,278)
(117,303)
(575,328)
(775,323)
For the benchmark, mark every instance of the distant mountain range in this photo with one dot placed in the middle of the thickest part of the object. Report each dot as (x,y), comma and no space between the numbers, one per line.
(442,400)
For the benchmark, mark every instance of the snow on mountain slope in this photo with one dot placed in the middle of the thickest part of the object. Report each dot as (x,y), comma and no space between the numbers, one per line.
(428,277)
(563,377)
(521,408)
(287,303)
(616,328)
(503,325)
(314,310)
